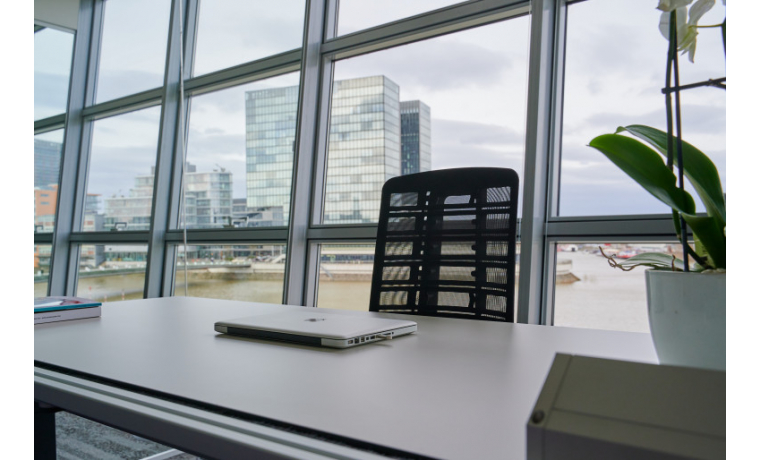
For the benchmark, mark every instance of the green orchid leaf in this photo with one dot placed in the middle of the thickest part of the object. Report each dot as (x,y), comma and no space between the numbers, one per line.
(651,259)
(698,168)
(646,167)
(710,232)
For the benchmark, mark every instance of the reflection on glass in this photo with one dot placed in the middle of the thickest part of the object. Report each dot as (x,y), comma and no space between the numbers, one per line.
(345,276)
(133,47)
(623,88)
(240,155)
(41,268)
(588,293)
(47,164)
(120,179)
(231,32)
(355,15)
(112,272)
(453,101)
(52,68)
(254,273)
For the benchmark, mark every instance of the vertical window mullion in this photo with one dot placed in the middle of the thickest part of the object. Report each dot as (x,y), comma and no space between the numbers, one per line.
(554,161)
(543,75)
(176,194)
(169,159)
(296,269)
(71,192)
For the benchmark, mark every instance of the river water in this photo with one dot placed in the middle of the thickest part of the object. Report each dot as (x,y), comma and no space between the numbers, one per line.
(603,298)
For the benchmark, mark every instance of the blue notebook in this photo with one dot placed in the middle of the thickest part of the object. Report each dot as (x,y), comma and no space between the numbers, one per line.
(45,304)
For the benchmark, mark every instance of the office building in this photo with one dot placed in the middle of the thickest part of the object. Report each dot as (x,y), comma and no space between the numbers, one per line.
(47,159)
(245,216)
(270,120)
(208,201)
(365,142)
(415,137)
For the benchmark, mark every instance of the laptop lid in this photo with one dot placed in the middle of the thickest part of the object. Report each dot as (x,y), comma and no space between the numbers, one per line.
(314,326)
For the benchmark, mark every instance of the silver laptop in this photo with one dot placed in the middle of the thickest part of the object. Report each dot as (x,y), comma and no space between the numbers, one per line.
(313,326)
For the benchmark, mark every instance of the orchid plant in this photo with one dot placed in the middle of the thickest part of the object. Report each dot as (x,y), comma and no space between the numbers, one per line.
(652,166)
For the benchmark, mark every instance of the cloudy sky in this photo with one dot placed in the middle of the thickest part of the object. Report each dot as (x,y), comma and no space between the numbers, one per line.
(475,83)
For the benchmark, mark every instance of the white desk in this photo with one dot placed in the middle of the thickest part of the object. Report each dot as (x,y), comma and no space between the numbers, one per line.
(456,389)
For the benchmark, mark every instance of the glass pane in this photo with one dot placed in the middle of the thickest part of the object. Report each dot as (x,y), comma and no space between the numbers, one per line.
(52,68)
(232,32)
(47,165)
(355,15)
(133,47)
(588,293)
(610,82)
(112,272)
(240,155)
(345,276)
(120,179)
(253,272)
(453,101)
(41,268)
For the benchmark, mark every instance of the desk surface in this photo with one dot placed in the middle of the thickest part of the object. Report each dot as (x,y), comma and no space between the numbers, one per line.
(455,389)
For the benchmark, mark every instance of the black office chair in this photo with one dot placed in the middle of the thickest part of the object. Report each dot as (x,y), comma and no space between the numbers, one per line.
(446,244)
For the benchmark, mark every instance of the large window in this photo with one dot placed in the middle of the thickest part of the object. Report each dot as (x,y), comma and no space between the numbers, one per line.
(47,167)
(52,67)
(613,78)
(236,272)
(240,155)
(120,179)
(345,273)
(589,293)
(263,182)
(232,32)
(133,49)
(453,101)
(112,272)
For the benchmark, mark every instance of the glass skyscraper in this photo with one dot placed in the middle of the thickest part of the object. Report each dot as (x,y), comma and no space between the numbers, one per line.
(364,147)
(270,120)
(47,163)
(415,137)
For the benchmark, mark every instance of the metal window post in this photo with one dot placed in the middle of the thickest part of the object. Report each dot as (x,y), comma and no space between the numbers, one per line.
(542,78)
(72,182)
(169,159)
(304,158)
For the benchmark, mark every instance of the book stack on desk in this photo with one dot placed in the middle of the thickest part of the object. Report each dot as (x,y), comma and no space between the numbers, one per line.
(50,309)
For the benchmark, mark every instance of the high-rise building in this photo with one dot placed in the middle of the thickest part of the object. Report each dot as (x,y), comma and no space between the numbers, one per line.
(47,163)
(415,137)
(208,201)
(46,201)
(364,146)
(270,118)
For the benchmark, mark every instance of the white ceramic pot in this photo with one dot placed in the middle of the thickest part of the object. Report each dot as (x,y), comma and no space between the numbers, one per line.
(687,317)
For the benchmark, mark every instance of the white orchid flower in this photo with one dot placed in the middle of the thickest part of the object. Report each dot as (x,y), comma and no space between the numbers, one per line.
(686,32)
(670,5)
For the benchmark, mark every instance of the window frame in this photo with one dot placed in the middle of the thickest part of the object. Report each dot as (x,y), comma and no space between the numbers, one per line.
(540,228)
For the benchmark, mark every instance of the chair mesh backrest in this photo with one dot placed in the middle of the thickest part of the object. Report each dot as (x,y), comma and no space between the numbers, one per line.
(446,244)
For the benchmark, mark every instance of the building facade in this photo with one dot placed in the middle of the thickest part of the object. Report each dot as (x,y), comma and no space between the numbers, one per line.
(270,120)
(47,163)
(208,201)
(415,137)
(364,146)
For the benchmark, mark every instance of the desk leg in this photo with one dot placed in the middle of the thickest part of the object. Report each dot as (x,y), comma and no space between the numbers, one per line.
(44,432)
